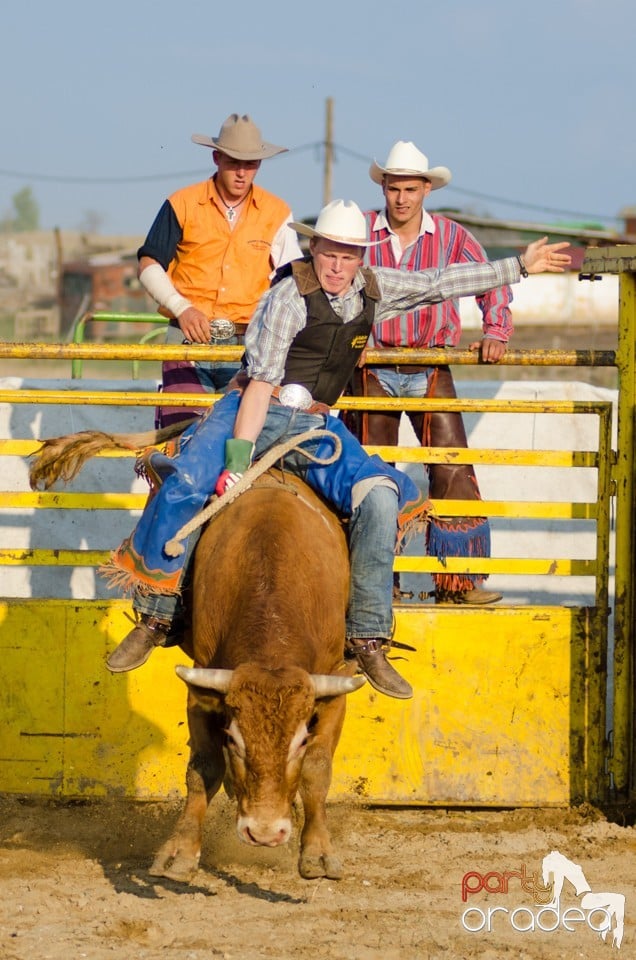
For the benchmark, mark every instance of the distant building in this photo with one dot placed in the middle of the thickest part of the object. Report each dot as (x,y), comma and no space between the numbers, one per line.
(105,282)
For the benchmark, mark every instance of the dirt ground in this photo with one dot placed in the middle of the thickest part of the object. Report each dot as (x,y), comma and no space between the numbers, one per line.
(74,884)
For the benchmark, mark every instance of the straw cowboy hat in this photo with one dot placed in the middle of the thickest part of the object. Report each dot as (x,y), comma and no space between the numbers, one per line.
(341,221)
(405,160)
(240,138)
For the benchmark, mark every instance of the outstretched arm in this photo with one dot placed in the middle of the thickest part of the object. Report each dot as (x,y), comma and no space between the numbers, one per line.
(539,257)
(403,290)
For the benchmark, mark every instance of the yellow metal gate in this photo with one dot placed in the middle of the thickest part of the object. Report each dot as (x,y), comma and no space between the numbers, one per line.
(510,702)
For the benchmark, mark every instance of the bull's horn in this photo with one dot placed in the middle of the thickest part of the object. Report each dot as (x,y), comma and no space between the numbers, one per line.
(326,685)
(218,680)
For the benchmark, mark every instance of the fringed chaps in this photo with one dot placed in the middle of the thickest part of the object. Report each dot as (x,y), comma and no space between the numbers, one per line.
(445,537)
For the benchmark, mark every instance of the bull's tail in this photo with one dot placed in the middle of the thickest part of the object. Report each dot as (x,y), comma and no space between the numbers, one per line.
(63,457)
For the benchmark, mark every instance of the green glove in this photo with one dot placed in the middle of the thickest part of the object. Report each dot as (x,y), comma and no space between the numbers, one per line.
(238,455)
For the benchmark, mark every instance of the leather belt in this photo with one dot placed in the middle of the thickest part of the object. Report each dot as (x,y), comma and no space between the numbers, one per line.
(315,408)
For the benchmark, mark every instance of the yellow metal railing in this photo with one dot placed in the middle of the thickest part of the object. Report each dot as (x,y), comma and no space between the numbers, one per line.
(614,473)
(599,459)
(621,260)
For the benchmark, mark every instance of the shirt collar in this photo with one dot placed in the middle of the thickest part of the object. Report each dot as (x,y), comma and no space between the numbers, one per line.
(213,194)
(427,226)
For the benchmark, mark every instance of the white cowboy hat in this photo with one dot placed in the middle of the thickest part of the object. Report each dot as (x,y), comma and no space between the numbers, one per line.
(406,160)
(240,138)
(341,221)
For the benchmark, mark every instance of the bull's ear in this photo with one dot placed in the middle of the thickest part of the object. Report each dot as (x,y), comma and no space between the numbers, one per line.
(217,680)
(326,685)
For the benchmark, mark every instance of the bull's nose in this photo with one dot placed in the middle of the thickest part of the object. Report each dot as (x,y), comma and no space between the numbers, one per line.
(264,833)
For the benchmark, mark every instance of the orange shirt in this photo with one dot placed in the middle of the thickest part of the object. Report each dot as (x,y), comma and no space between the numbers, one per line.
(221,271)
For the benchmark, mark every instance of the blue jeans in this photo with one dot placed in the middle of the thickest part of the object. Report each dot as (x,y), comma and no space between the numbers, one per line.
(398,384)
(213,375)
(372,536)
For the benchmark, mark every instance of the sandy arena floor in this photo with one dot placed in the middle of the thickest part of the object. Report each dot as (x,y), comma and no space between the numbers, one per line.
(74,884)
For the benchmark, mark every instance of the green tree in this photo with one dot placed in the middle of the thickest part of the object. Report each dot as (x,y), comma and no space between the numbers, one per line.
(27,211)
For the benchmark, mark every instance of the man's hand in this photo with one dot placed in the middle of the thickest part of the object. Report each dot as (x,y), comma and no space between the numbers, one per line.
(491,350)
(544,257)
(238,458)
(195,325)
(226,481)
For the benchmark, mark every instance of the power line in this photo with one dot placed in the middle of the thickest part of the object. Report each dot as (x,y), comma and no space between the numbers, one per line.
(532,206)
(140,178)
(51,178)
(513,203)
(316,145)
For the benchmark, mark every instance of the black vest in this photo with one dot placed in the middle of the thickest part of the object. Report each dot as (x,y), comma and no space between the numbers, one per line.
(323,355)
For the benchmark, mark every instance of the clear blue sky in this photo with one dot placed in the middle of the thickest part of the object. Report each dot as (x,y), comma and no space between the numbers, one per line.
(529,104)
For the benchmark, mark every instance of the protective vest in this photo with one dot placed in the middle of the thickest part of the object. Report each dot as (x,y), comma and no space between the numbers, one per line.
(324,354)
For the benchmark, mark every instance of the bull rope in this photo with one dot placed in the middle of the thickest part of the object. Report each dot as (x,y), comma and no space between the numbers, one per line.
(175,548)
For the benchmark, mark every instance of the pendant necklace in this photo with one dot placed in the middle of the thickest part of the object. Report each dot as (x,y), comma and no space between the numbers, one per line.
(230,210)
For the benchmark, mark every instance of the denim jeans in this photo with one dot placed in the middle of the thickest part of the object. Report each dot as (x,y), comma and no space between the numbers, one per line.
(213,375)
(372,533)
(398,384)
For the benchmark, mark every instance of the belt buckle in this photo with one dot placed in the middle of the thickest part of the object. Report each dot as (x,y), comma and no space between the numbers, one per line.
(296,396)
(222,329)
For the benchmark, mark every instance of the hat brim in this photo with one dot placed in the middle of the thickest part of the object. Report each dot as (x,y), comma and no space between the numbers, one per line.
(438,176)
(308,231)
(266,149)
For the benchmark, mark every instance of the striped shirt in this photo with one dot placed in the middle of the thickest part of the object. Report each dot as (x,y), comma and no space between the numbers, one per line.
(282,313)
(441,242)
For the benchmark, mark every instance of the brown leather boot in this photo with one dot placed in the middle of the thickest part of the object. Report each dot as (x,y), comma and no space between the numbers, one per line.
(372,662)
(476,597)
(137,646)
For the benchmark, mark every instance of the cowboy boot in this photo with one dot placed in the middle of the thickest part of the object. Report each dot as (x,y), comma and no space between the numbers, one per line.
(133,651)
(475,596)
(372,662)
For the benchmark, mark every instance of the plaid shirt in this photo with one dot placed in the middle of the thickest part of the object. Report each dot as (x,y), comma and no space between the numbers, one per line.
(441,242)
(281,312)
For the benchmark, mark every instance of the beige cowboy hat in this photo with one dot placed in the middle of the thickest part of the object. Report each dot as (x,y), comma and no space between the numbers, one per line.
(405,160)
(240,138)
(341,221)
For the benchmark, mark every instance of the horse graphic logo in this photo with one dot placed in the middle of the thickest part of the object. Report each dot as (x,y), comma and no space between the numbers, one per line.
(556,869)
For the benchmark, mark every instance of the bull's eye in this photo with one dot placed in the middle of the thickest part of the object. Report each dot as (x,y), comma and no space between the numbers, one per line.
(311,726)
(234,742)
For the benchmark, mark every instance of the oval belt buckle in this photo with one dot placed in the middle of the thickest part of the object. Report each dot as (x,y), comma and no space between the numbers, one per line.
(222,329)
(296,396)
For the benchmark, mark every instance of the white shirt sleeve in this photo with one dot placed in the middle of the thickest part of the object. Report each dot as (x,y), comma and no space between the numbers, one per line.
(285,246)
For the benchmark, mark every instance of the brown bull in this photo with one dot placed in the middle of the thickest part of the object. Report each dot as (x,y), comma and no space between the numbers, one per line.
(266,696)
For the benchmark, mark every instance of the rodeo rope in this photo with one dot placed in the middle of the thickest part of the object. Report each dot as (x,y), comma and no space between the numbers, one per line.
(174,547)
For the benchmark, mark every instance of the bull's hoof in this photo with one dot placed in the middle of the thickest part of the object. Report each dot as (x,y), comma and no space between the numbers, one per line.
(313,868)
(180,868)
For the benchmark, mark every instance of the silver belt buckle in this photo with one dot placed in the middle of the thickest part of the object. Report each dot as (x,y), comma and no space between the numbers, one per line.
(222,329)
(296,396)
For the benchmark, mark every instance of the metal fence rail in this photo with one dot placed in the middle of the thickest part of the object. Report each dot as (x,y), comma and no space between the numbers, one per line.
(614,489)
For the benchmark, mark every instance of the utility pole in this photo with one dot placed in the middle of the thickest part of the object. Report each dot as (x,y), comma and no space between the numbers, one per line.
(326,193)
